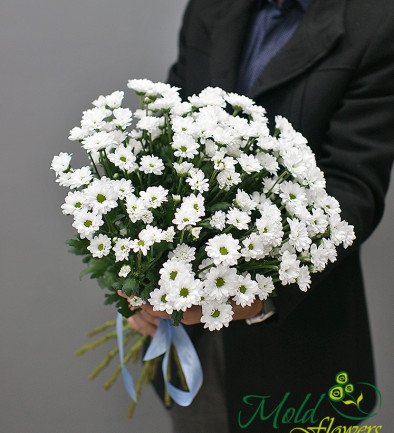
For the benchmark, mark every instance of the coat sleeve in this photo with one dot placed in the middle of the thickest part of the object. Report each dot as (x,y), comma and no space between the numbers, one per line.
(357,155)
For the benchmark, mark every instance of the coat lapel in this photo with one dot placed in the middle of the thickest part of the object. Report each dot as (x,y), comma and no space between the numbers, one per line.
(227,23)
(320,29)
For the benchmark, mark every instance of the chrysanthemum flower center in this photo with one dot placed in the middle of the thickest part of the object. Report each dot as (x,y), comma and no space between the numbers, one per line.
(101,198)
(184,292)
(78,204)
(100,247)
(173,275)
(292,196)
(220,282)
(223,251)
(163,298)
(123,158)
(242,289)
(141,243)
(215,313)
(250,247)
(87,223)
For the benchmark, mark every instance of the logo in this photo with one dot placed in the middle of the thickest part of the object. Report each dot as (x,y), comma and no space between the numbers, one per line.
(350,401)
(347,399)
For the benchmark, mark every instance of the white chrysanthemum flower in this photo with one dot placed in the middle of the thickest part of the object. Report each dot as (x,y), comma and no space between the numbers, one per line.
(304,278)
(101,196)
(185,146)
(180,109)
(223,249)
(122,117)
(268,162)
(254,247)
(98,141)
(173,270)
(123,158)
(222,162)
(158,300)
(151,164)
(239,102)
(165,103)
(78,134)
(289,268)
(87,223)
(244,201)
(207,97)
(135,301)
(123,187)
(94,119)
(228,178)
(183,252)
(74,201)
(185,293)
(182,168)
(114,100)
(196,202)
(292,195)
(154,196)
(238,218)
(135,208)
(249,163)
(150,124)
(100,246)
(260,200)
(61,162)
(196,231)
(220,283)
(246,290)
(218,220)
(140,86)
(298,235)
(183,125)
(121,249)
(143,243)
(266,286)
(341,232)
(76,179)
(169,234)
(329,204)
(215,315)
(185,216)
(198,182)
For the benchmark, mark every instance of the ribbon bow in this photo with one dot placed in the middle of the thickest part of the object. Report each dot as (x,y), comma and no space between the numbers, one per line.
(166,335)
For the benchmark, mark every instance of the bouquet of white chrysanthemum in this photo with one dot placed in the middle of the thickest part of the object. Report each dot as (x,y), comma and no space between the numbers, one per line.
(196,203)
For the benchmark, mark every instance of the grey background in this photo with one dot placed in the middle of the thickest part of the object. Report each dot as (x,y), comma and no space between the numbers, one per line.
(56,57)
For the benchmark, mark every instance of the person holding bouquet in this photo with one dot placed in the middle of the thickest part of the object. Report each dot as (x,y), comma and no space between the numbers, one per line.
(328,67)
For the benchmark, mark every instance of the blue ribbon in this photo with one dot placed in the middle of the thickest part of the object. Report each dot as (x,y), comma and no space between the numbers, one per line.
(166,335)
(127,378)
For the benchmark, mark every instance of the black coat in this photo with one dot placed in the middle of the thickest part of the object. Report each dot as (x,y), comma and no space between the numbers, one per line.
(334,81)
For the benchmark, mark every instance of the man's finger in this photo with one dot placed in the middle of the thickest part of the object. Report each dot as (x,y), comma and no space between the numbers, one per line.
(149,318)
(140,325)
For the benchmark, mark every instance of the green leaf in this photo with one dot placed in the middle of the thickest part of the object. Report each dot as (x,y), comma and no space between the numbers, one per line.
(129,286)
(347,402)
(360,397)
(220,206)
(176,317)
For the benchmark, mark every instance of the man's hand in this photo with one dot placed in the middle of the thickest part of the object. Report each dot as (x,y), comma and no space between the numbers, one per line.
(147,320)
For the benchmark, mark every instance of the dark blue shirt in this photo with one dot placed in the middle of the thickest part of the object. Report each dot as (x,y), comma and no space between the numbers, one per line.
(271,28)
